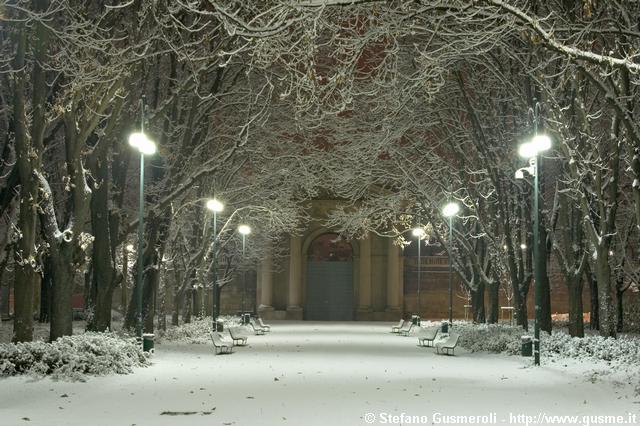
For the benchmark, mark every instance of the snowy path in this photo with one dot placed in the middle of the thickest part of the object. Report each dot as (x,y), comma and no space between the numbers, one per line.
(312,374)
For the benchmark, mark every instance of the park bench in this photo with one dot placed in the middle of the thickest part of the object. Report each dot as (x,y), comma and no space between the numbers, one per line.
(265,327)
(256,328)
(406,328)
(396,328)
(426,336)
(448,346)
(219,345)
(237,336)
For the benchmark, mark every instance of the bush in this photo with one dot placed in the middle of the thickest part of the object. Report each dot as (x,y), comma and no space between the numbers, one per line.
(506,339)
(623,350)
(196,331)
(73,357)
(489,337)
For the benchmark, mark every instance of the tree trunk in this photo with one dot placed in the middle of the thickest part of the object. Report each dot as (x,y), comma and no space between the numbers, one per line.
(61,292)
(155,228)
(104,277)
(198,302)
(25,256)
(494,303)
(218,299)
(102,304)
(68,249)
(101,300)
(594,319)
(576,322)
(86,294)
(45,292)
(186,311)
(606,311)
(124,283)
(620,309)
(477,304)
(520,309)
(162,308)
(25,279)
(148,281)
(522,314)
(149,297)
(178,298)
(130,318)
(175,315)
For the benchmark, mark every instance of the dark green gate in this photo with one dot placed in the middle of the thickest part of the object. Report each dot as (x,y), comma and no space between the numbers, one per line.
(329,291)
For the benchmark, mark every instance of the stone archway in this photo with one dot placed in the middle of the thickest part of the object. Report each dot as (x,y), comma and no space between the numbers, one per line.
(329,295)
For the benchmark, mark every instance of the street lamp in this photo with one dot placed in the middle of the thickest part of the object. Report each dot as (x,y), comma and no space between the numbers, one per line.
(145,146)
(449,211)
(216,207)
(532,150)
(244,230)
(418,232)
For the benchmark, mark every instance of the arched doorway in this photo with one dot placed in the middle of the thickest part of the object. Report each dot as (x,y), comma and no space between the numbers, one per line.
(329,279)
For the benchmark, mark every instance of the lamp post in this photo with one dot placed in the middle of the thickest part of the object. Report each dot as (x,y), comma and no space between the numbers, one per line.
(418,232)
(145,146)
(449,211)
(244,230)
(532,150)
(215,206)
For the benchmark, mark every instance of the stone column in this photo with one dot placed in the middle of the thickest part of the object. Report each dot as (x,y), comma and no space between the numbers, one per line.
(364,286)
(294,307)
(394,277)
(266,282)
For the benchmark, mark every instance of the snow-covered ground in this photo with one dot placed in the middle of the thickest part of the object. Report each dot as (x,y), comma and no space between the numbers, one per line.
(305,373)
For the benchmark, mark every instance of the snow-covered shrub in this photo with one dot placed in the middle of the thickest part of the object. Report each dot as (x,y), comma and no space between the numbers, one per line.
(489,337)
(506,339)
(197,331)
(73,357)
(623,350)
